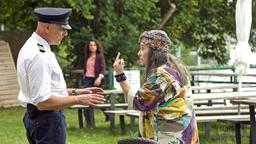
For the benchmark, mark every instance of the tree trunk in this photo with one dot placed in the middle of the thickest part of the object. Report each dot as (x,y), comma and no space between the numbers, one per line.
(168,14)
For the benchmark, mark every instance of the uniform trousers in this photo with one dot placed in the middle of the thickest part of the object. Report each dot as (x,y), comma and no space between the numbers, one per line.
(45,127)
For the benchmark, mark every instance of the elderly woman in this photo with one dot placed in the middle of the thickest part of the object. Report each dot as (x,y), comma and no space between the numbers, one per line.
(165,101)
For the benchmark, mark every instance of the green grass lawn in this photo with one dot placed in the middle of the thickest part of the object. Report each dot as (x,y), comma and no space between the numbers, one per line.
(12,131)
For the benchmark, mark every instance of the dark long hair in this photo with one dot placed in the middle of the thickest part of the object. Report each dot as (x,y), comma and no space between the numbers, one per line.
(87,51)
(158,58)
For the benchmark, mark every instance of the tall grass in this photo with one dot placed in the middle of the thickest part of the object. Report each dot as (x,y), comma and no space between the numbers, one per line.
(12,130)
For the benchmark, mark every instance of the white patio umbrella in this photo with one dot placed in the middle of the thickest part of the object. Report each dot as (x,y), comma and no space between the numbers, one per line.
(242,54)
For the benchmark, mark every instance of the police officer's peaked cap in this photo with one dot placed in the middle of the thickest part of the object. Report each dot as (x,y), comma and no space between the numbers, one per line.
(54,15)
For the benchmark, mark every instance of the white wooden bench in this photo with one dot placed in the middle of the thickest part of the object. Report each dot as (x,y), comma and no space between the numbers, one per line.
(235,119)
(91,111)
(202,111)
(121,114)
(211,88)
(225,95)
(237,125)
(220,107)
(218,74)
(219,86)
(233,76)
(221,112)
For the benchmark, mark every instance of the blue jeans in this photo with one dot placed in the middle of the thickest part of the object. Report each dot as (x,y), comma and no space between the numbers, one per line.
(89,82)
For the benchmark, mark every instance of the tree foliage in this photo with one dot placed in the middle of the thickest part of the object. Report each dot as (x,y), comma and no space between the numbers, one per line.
(197,24)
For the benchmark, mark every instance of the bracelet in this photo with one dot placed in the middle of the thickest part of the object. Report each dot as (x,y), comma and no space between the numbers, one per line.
(101,76)
(120,77)
(74,91)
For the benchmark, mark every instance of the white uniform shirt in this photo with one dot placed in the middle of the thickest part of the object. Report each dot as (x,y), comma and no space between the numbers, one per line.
(39,74)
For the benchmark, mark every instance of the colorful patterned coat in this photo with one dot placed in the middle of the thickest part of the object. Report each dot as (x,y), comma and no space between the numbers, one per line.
(166,107)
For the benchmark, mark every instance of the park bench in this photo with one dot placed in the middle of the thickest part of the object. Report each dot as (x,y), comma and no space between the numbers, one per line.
(237,120)
(202,112)
(221,112)
(227,96)
(201,102)
(211,88)
(91,112)
(220,88)
(237,124)
(219,107)
(196,77)
(121,114)
(252,104)
(204,116)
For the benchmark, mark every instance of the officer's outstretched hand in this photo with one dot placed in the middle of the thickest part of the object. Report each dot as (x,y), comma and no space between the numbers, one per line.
(90,99)
(90,90)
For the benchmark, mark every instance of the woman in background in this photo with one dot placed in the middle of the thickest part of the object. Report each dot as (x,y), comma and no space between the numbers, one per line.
(94,69)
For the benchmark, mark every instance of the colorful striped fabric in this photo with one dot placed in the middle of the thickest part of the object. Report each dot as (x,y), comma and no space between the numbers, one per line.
(167,108)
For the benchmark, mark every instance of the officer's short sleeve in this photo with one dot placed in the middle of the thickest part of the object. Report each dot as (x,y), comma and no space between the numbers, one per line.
(39,76)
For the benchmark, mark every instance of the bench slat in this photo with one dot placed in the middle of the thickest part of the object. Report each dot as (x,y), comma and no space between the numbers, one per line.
(221,107)
(222,96)
(120,112)
(118,105)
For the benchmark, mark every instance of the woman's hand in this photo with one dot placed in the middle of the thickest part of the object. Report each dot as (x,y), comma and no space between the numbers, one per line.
(97,82)
(118,64)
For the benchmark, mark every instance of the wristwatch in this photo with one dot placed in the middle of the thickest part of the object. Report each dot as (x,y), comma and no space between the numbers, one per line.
(74,92)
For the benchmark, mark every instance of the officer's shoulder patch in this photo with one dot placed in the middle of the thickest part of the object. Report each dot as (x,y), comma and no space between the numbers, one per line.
(41,48)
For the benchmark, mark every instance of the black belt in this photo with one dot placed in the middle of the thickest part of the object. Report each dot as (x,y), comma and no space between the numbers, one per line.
(33,111)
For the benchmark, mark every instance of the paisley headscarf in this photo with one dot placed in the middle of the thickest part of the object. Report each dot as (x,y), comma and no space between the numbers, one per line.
(156,40)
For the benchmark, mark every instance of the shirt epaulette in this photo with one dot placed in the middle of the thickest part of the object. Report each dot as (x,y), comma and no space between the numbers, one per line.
(41,48)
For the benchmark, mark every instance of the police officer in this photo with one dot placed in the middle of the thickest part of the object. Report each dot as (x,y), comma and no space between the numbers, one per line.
(42,87)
